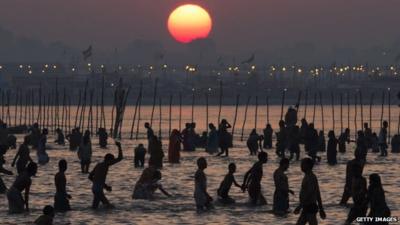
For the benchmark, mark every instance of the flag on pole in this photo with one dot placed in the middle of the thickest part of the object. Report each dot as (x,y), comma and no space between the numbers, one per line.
(87,53)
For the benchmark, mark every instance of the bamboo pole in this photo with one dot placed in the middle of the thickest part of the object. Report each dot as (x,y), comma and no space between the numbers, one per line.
(220,100)
(154,102)
(236,113)
(136,108)
(245,117)
(283,102)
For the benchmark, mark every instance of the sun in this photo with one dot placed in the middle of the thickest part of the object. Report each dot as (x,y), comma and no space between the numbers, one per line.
(189,22)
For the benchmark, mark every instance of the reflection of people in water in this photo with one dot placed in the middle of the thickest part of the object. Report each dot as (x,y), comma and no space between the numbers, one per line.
(226,184)
(22,158)
(281,194)
(310,196)
(61,199)
(47,217)
(148,183)
(202,198)
(252,180)
(98,177)
(23,183)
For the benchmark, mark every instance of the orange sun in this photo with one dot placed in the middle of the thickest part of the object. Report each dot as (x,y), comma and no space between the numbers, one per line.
(189,22)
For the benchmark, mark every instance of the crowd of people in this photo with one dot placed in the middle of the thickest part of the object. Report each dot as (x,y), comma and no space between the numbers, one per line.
(216,141)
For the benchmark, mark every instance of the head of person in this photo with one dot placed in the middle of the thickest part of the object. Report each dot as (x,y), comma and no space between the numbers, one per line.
(365,125)
(48,210)
(140,145)
(284,163)
(232,167)
(58,130)
(347,131)
(147,125)
(375,180)
(303,121)
(193,125)
(268,125)
(253,132)
(331,134)
(385,124)
(201,163)
(62,165)
(311,125)
(321,133)
(307,165)
(108,158)
(281,123)
(360,134)
(35,125)
(45,131)
(211,126)
(187,125)
(374,134)
(223,121)
(26,139)
(31,169)
(175,132)
(204,134)
(263,157)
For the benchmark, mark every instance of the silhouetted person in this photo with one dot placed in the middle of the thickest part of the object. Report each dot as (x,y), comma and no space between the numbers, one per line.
(148,183)
(202,142)
(294,143)
(359,195)
(376,199)
(383,138)
(368,135)
(156,153)
(375,143)
(149,132)
(343,139)
(47,217)
(34,135)
(281,194)
(361,145)
(268,136)
(310,196)
(226,184)
(312,142)
(212,140)
(253,142)
(60,137)
(3,137)
(74,139)
(225,138)
(139,156)
(281,140)
(61,199)
(395,142)
(189,138)
(16,203)
(202,198)
(174,147)
(303,131)
(291,116)
(22,158)
(98,177)
(3,187)
(356,162)
(332,148)
(85,152)
(103,136)
(43,157)
(321,141)
(252,180)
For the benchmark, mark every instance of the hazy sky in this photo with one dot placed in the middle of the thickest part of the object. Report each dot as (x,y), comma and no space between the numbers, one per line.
(239,25)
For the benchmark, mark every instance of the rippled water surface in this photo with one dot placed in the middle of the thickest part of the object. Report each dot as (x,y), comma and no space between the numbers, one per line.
(178,180)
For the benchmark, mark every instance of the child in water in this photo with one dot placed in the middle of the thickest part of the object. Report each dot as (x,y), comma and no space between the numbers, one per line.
(252,180)
(310,196)
(61,199)
(202,198)
(148,183)
(226,184)
(47,217)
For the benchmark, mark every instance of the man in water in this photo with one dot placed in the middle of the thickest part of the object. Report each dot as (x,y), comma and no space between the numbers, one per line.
(281,195)
(310,196)
(356,162)
(252,180)
(98,177)
(226,184)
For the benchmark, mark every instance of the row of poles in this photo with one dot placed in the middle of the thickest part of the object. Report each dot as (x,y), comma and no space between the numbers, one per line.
(55,109)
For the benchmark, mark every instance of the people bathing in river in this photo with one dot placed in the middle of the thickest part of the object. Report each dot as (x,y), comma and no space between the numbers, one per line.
(43,157)
(281,194)
(16,203)
(189,137)
(156,153)
(254,142)
(202,199)
(34,135)
(358,194)
(103,137)
(358,161)
(47,217)
(321,141)
(376,199)
(310,196)
(98,177)
(85,152)
(268,132)
(224,137)
(139,156)
(294,143)
(74,139)
(212,140)
(281,140)
(61,198)
(148,183)
(343,139)
(226,184)
(368,135)
(60,137)
(3,187)
(383,138)
(22,158)
(332,148)
(252,180)
(174,147)
(312,142)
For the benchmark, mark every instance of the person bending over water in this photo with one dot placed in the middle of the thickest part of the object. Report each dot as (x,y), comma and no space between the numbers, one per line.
(359,195)
(226,184)
(61,199)
(310,196)
(281,194)
(202,198)
(98,177)
(252,180)
(22,158)
(23,183)
(148,183)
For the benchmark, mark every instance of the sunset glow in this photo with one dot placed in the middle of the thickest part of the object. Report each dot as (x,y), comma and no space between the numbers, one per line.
(189,22)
